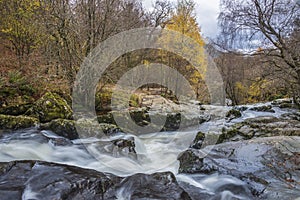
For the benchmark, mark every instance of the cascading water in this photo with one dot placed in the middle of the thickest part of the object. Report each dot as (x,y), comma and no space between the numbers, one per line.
(155,152)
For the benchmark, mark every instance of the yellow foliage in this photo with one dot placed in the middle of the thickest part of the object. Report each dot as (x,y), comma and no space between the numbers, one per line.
(185,23)
(20,23)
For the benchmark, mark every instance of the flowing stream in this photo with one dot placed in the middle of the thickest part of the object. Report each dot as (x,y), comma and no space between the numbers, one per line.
(156,152)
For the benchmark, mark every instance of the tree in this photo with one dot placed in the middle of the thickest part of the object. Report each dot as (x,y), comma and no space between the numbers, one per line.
(184,22)
(271,22)
(20,25)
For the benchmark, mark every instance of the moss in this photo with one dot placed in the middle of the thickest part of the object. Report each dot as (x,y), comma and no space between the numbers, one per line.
(49,107)
(135,101)
(62,127)
(226,135)
(15,110)
(17,122)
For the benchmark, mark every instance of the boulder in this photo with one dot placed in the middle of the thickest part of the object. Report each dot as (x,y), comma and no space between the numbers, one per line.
(263,109)
(15,110)
(87,128)
(261,127)
(49,107)
(48,181)
(155,186)
(142,117)
(269,166)
(233,113)
(17,122)
(62,127)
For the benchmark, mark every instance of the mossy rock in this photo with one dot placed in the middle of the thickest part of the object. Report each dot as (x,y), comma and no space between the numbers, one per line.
(189,162)
(62,127)
(197,143)
(263,109)
(227,135)
(233,113)
(15,110)
(92,128)
(49,107)
(17,122)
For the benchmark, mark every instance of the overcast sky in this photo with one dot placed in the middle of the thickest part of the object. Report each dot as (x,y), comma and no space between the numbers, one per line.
(207,13)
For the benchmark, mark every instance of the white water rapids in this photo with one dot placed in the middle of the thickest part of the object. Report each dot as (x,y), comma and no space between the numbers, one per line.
(156,152)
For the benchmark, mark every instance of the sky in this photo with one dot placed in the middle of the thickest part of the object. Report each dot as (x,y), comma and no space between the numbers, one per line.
(207,12)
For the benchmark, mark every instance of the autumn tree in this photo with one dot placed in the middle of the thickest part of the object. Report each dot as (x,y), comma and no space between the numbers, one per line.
(183,21)
(20,25)
(273,25)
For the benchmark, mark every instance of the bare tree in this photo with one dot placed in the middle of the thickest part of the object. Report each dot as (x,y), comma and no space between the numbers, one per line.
(272,24)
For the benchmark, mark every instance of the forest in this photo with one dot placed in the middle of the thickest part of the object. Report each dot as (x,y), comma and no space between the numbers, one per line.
(43,44)
(116,100)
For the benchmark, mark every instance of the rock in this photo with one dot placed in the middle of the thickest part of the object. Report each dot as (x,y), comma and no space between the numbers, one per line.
(42,180)
(233,113)
(190,162)
(263,109)
(285,103)
(142,117)
(123,147)
(292,116)
(17,122)
(155,186)
(62,127)
(261,127)
(15,109)
(87,128)
(241,108)
(269,166)
(49,107)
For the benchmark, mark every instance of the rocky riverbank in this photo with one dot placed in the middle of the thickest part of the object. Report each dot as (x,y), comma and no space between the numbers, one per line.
(244,152)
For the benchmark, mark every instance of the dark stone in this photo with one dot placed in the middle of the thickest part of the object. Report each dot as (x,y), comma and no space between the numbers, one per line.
(155,186)
(42,180)
(263,109)
(269,166)
(233,113)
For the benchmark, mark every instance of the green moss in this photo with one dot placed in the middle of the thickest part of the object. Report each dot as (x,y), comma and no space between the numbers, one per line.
(50,106)
(17,122)
(226,135)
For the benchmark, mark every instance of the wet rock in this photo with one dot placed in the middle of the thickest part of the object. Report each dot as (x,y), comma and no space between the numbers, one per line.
(118,147)
(263,109)
(241,108)
(155,186)
(62,127)
(204,139)
(86,127)
(269,166)
(92,128)
(15,110)
(285,103)
(190,162)
(49,107)
(292,116)
(42,180)
(17,122)
(142,117)
(261,127)
(233,113)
